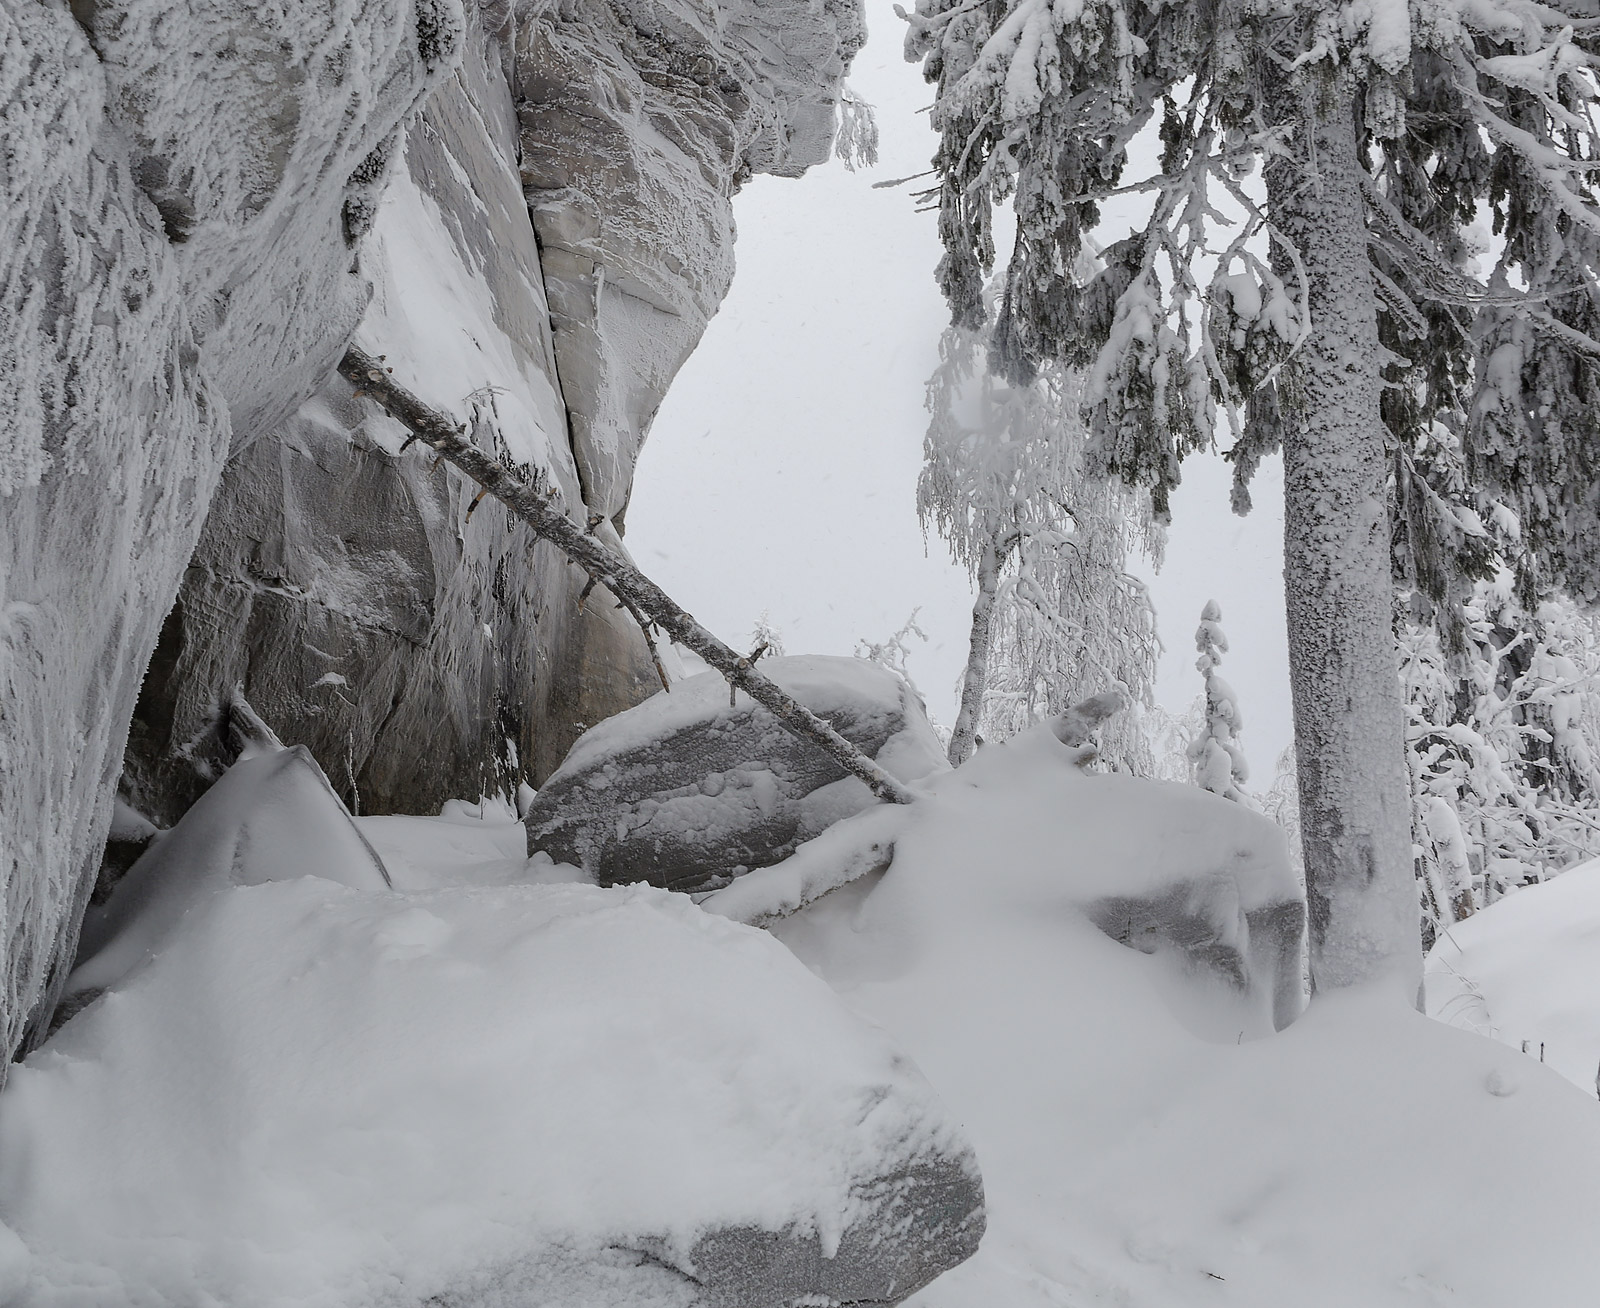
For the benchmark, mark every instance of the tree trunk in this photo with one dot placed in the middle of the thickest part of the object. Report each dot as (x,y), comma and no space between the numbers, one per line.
(976,678)
(1349,721)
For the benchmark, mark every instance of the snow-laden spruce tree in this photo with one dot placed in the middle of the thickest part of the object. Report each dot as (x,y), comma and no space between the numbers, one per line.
(1501,743)
(1057,615)
(1336,319)
(1216,758)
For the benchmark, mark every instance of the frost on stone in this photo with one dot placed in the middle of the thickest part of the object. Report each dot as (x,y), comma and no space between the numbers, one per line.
(689,791)
(174,277)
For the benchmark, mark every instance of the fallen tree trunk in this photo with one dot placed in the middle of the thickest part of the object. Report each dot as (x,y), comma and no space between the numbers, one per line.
(648,603)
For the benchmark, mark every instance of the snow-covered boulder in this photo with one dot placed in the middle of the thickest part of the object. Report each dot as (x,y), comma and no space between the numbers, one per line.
(318,1096)
(1526,971)
(1146,1138)
(688,791)
(1159,867)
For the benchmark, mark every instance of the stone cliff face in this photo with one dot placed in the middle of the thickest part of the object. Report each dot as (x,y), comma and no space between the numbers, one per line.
(175,274)
(201,210)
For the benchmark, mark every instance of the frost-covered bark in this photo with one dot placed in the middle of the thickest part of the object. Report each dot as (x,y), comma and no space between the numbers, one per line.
(975,678)
(1195,326)
(1349,743)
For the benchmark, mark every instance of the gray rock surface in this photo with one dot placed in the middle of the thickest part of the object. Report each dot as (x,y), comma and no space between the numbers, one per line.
(193,221)
(175,278)
(688,792)
(1258,951)
(917,1223)
(420,654)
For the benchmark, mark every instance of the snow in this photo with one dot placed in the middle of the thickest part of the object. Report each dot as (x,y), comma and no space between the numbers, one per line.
(435,319)
(268,816)
(1526,971)
(1140,1147)
(823,683)
(318,1094)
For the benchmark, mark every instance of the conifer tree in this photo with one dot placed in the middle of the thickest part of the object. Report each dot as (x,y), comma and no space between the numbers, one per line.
(1333,311)
(1501,739)
(1215,756)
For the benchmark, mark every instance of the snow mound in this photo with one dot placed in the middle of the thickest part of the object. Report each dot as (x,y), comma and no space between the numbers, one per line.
(1161,867)
(302,1092)
(1526,971)
(1140,1147)
(269,817)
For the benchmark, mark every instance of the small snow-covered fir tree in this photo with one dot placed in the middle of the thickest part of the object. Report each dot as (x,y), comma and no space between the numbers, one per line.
(1215,756)
(767,636)
(1057,615)
(1333,311)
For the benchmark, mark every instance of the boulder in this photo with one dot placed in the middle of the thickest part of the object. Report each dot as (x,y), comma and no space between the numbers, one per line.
(1255,949)
(687,791)
(475,1097)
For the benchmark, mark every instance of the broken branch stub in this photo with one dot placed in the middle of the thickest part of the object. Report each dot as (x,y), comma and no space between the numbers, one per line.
(544,515)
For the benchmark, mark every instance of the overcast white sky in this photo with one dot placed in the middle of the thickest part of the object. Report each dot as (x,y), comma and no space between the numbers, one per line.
(781,472)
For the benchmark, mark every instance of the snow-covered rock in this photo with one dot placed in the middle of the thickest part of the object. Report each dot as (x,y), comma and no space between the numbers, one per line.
(321,1096)
(640,120)
(1162,868)
(419,653)
(187,189)
(270,817)
(1146,1138)
(688,790)
(176,276)
(1526,971)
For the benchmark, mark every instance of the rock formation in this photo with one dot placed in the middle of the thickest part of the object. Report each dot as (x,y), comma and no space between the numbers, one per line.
(203,202)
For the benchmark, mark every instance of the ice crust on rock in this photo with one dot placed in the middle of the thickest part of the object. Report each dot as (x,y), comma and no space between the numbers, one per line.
(315,1095)
(688,790)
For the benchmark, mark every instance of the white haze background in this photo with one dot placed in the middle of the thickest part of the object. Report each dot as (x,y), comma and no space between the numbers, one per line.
(781,472)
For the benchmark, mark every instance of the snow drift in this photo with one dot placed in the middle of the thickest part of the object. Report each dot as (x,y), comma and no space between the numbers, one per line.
(1526,971)
(1145,1139)
(300,1092)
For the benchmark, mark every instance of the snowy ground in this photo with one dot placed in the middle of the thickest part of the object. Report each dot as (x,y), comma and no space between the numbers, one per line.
(1526,971)
(317,1094)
